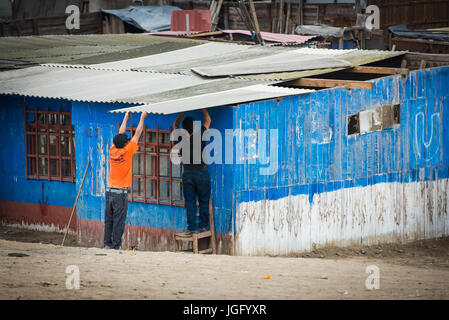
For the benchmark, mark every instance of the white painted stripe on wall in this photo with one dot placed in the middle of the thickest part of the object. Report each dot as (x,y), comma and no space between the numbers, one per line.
(380,213)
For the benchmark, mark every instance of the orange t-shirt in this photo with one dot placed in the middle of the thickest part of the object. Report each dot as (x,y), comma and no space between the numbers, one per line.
(121,161)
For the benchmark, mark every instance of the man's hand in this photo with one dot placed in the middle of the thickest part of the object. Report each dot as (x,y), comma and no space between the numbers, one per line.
(127,115)
(144,115)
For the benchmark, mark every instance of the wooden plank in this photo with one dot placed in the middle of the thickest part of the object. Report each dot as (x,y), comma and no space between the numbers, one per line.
(287,18)
(423,63)
(205,34)
(377,70)
(255,21)
(195,243)
(281,15)
(427,56)
(331,83)
(175,244)
(215,14)
(212,227)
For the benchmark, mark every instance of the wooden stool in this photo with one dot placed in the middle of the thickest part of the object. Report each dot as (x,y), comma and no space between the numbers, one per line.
(196,236)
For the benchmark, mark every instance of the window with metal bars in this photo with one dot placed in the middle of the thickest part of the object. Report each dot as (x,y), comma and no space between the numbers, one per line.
(155,178)
(49,143)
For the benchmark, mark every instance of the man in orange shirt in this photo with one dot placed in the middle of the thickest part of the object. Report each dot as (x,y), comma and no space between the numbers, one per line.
(120,180)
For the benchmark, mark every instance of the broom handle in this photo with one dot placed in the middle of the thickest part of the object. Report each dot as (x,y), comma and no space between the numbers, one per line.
(74,206)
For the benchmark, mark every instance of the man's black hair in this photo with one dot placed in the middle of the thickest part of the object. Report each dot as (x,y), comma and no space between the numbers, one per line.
(187,124)
(121,140)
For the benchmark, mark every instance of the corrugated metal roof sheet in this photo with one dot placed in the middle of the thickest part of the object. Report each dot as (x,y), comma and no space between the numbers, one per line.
(82,83)
(223,98)
(281,38)
(354,56)
(183,60)
(18,52)
(280,62)
(164,82)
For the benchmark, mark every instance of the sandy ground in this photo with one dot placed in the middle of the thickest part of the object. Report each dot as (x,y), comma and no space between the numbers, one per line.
(414,271)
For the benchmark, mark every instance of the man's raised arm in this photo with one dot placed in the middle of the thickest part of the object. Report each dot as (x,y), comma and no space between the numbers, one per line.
(139,128)
(206,117)
(178,120)
(123,125)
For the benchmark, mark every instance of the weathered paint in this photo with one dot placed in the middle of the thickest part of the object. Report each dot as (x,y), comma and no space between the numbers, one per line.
(28,202)
(330,189)
(36,216)
(91,232)
(333,189)
(94,132)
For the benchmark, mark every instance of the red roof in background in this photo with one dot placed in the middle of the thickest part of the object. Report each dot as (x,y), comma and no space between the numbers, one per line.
(199,20)
(284,39)
(276,37)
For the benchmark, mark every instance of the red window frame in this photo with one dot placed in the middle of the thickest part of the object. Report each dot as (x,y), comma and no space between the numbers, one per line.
(63,134)
(150,145)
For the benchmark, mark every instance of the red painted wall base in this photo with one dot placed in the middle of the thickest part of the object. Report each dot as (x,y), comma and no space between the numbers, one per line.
(50,218)
(91,234)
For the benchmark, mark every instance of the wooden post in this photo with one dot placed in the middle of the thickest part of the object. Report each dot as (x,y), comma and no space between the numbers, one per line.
(255,22)
(422,65)
(195,243)
(287,18)
(212,227)
(226,17)
(340,43)
(403,63)
(301,12)
(281,15)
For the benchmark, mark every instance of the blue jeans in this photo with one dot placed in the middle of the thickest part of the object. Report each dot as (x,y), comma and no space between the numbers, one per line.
(196,184)
(115,218)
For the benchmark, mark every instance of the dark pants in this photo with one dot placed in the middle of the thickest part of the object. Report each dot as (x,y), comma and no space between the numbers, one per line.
(196,184)
(115,217)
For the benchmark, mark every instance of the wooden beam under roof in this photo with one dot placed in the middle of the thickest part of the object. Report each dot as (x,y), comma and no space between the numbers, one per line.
(378,70)
(330,83)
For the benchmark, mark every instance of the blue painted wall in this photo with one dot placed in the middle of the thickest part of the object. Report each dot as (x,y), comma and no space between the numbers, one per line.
(13,185)
(310,160)
(313,161)
(94,132)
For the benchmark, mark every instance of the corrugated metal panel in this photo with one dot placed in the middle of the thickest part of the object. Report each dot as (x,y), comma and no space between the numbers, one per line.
(166,79)
(267,36)
(183,60)
(84,49)
(85,84)
(281,62)
(229,97)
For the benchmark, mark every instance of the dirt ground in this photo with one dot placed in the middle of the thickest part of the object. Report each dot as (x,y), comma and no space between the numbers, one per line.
(33,266)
